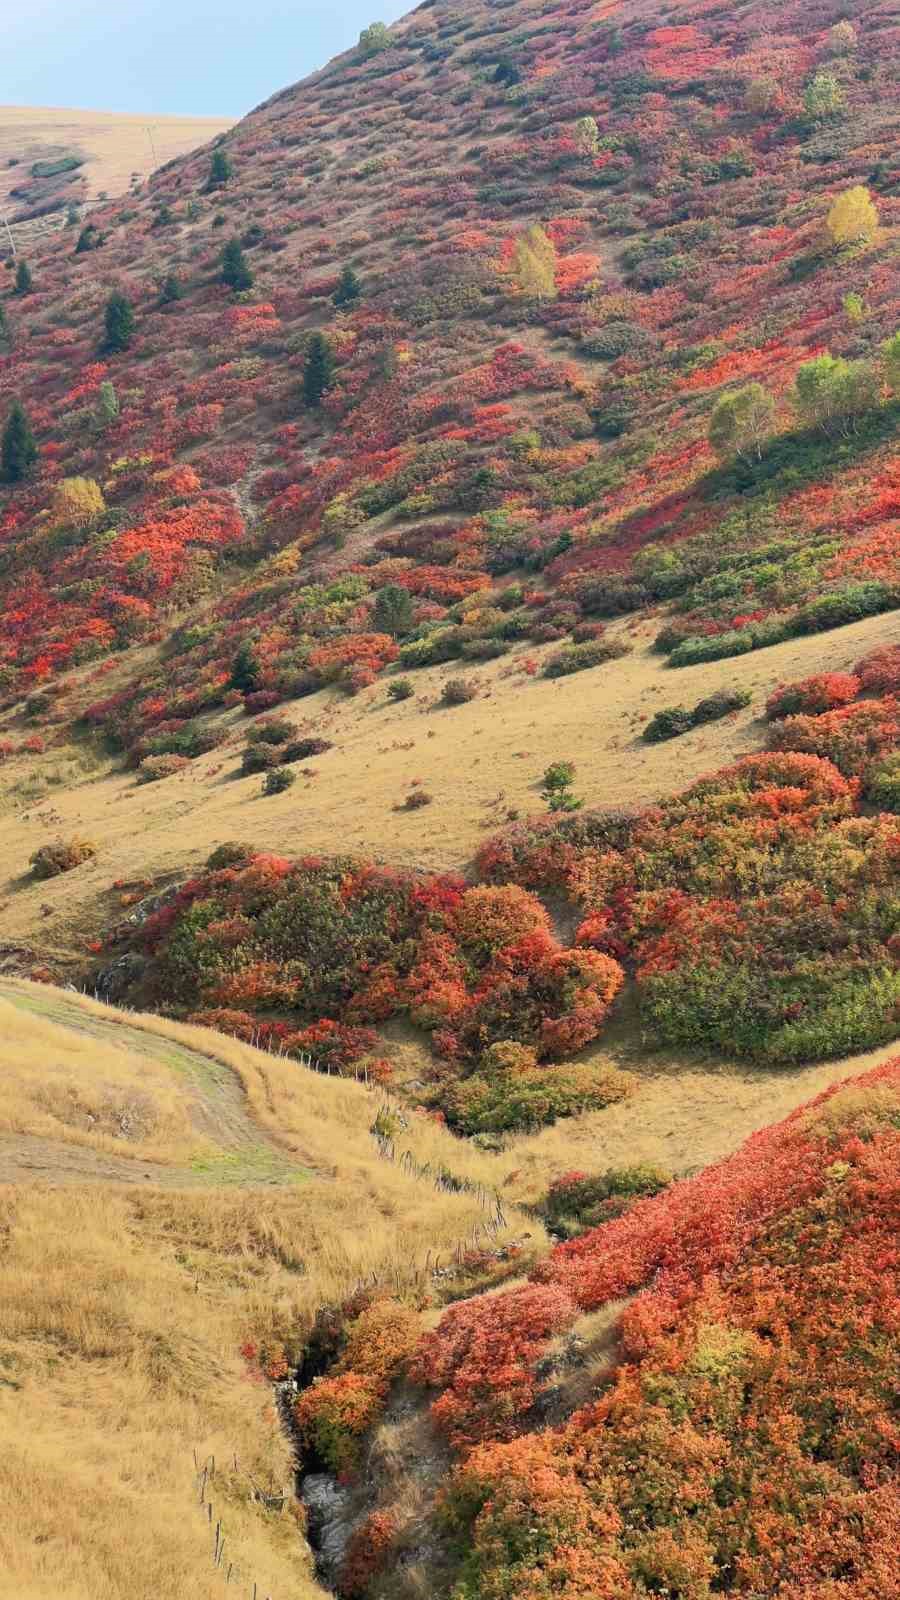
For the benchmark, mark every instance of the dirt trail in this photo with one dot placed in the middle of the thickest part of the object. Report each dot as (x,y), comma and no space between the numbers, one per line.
(242,1154)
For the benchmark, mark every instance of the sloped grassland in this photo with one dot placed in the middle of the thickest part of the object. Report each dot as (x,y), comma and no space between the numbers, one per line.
(146,1302)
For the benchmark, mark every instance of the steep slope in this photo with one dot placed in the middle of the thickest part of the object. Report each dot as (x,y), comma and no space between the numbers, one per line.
(695,1398)
(504,401)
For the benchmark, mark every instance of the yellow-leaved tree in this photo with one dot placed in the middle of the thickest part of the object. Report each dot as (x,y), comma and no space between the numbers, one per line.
(76,502)
(853,216)
(535,262)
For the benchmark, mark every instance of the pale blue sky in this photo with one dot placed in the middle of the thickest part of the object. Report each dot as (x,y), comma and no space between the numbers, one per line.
(210,57)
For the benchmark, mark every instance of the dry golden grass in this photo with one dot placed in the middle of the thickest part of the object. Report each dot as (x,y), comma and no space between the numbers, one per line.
(65,1085)
(478,761)
(122,1313)
(115,145)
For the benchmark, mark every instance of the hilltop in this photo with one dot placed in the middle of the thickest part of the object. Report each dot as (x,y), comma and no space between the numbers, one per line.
(51,157)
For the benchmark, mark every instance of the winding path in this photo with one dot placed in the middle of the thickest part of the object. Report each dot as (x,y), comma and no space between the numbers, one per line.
(243,1154)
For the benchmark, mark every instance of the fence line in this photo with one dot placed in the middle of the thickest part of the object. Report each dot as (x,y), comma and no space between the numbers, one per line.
(205,1473)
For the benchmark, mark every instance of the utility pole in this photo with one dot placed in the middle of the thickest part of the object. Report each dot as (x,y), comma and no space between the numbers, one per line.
(12,242)
(149,132)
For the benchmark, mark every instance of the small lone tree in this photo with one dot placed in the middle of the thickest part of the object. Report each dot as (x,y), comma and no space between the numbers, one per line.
(88,239)
(831,393)
(891,352)
(107,407)
(556,787)
(77,502)
(824,98)
(741,422)
(219,171)
(348,290)
(393,611)
(318,373)
(170,290)
(535,264)
(235,271)
(853,216)
(842,38)
(245,669)
(118,322)
(762,95)
(24,280)
(587,136)
(18,452)
(373,39)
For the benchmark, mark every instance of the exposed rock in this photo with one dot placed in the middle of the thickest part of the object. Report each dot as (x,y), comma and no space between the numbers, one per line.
(331,1516)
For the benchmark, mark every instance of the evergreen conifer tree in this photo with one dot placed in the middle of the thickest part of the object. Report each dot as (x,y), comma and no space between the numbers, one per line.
(318,374)
(24,280)
(170,289)
(119,323)
(393,611)
(18,451)
(245,669)
(348,290)
(219,170)
(235,271)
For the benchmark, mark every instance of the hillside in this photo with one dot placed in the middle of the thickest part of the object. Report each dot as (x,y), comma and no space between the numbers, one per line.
(183,1206)
(449,699)
(105,152)
(133,1278)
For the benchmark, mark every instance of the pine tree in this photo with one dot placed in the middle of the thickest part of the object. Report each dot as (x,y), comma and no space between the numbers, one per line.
(245,669)
(348,290)
(119,322)
(170,290)
(5,335)
(18,451)
(393,610)
(24,280)
(235,271)
(219,170)
(318,374)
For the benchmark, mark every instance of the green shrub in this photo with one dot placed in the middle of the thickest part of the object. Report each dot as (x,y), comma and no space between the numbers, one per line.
(736,642)
(303,749)
(614,340)
(668,723)
(274,730)
(579,657)
(260,758)
(531,1097)
(579,1201)
(720,704)
(883,785)
(277,781)
(400,689)
(229,854)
